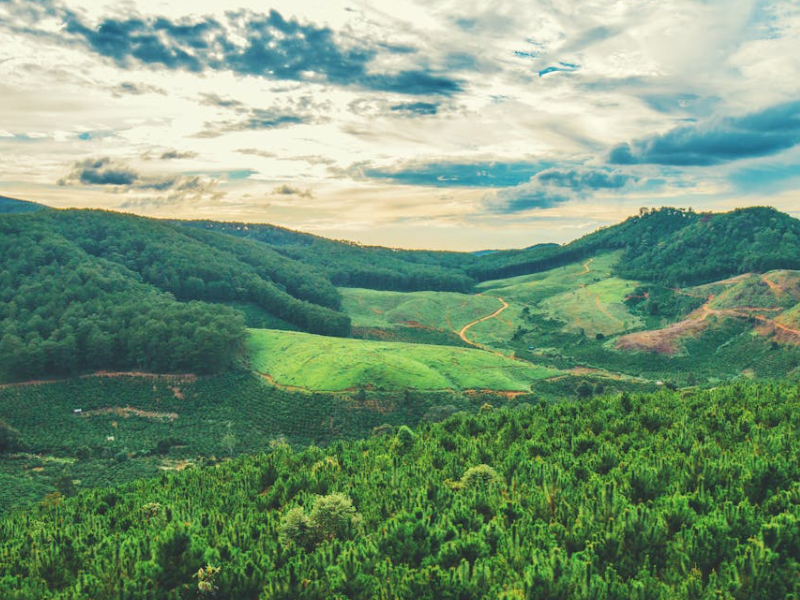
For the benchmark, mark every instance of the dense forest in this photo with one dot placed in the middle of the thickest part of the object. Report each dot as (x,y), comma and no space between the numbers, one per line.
(88,289)
(669,246)
(352,265)
(12,206)
(661,496)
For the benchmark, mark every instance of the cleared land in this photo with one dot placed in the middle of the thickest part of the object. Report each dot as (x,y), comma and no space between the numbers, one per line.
(585,296)
(446,311)
(336,364)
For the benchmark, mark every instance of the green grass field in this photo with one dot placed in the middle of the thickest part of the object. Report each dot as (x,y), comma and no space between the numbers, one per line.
(585,296)
(532,289)
(446,311)
(335,364)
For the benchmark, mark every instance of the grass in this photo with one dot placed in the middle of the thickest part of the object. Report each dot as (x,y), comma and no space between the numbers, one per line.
(596,308)
(335,364)
(585,296)
(532,289)
(445,311)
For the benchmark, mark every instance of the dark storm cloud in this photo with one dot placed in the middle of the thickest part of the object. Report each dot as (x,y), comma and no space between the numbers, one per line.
(273,47)
(718,141)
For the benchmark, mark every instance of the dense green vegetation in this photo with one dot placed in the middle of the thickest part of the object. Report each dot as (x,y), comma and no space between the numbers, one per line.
(335,364)
(64,311)
(353,265)
(670,246)
(13,206)
(665,496)
(84,290)
(167,422)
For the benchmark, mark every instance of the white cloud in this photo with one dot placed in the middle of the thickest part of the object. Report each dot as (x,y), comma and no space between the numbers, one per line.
(640,68)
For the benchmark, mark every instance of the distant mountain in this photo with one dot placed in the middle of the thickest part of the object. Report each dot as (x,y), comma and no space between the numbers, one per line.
(14,206)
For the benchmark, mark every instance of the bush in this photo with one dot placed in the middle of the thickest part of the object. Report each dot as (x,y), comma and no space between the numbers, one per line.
(479,476)
(332,517)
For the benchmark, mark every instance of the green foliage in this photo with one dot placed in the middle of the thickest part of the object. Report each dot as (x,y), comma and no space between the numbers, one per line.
(660,496)
(163,423)
(332,517)
(352,265)
(87,290)
(479,476)
(10,438)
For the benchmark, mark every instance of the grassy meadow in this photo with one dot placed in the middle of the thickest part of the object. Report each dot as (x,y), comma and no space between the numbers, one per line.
(335,364)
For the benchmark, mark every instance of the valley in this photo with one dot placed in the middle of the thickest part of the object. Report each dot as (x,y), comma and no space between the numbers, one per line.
(138,351)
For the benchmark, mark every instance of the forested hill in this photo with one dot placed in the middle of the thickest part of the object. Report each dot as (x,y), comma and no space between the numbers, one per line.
(13,206)
(670,246)
(659,497)
(349,264)
(88,289)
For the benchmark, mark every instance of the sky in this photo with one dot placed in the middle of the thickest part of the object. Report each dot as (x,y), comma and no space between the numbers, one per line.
(439,124)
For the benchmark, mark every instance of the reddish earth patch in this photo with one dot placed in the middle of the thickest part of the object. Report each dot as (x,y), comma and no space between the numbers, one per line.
(168,377)
(127,412)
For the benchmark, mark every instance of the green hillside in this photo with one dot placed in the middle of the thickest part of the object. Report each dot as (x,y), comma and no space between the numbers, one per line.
(334,364)
(170,422)
(660,497)
(85,290)
(14,206)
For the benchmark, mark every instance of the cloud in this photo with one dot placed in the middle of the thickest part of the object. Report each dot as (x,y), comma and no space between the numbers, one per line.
(583,178)
(552,187)
(129,88)
(215,100)
(122,178)
(255,119)
(561,67)
(100,171)
(261,45)
(287,190)
(417,108)
(446,174)
(717,141)
(177,155)
(292,111)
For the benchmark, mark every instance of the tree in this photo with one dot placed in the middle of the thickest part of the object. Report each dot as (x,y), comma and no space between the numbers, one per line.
(10,438)
(332,517)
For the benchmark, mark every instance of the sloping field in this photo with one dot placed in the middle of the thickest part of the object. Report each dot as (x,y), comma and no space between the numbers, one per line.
(585,296)
(532,289)
(447,311)
(595,308)
(336,364)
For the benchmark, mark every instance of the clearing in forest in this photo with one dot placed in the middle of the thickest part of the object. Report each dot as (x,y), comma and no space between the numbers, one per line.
(337,364)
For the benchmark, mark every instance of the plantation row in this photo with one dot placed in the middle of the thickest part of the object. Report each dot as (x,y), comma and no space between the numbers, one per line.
(658,496)
(155,421)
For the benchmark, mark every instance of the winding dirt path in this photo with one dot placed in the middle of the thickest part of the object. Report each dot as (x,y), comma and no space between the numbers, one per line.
(463,333)
(586,266)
